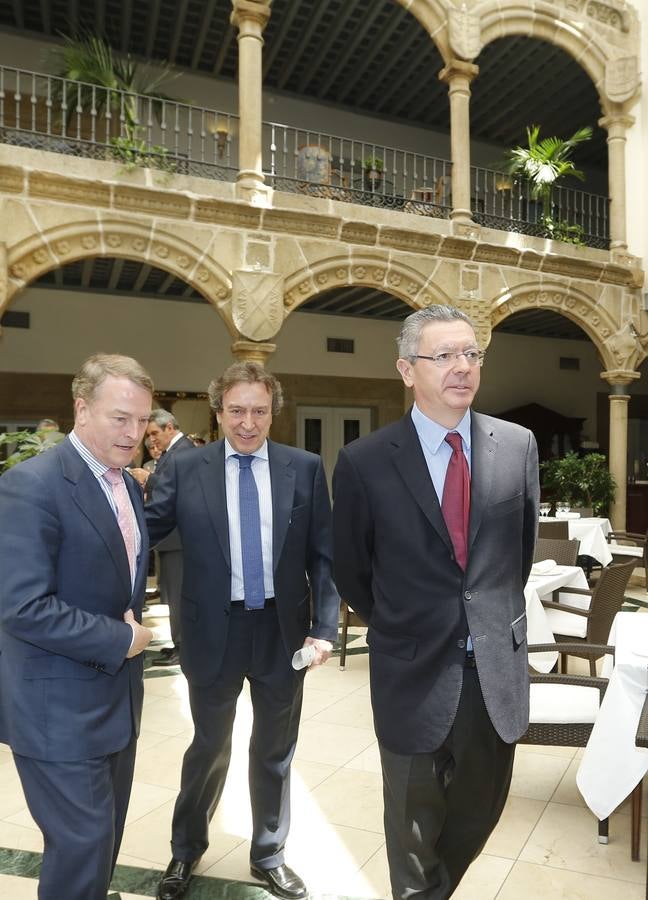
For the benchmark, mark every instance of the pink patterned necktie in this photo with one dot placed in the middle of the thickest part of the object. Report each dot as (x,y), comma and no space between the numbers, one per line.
(125,514)
(455,504)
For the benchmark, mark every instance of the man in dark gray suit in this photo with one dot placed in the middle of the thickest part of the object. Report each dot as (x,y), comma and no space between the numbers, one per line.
(435,519)
(163,433)
(254,520)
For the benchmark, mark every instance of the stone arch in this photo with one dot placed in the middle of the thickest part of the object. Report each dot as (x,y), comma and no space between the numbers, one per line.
(433,15)
(367,270)
(48,249)
(608,70)
(570,302)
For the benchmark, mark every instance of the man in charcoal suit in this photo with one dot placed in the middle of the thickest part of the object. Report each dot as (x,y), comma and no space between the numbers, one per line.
(434,523)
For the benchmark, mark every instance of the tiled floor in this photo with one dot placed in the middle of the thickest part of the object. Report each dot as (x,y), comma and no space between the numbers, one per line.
(545,845)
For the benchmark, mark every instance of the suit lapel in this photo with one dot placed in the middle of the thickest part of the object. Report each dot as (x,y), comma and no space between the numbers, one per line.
(212,479)
(482,462)
(410,462)
(282,481)
(92,502)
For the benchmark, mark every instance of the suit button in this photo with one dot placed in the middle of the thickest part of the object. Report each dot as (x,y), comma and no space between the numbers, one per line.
(467,595)
(461,643)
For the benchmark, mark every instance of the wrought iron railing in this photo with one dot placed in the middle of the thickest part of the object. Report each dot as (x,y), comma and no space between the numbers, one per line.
(51,113)
(499,201)
(340,168)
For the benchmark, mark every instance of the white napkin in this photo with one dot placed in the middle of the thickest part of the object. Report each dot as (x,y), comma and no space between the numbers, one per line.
(568,515)
(543,567)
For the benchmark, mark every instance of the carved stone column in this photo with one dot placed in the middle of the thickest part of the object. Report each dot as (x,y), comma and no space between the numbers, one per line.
(250,17)
(618,380)
(617,125)
(252,351)
(458,75)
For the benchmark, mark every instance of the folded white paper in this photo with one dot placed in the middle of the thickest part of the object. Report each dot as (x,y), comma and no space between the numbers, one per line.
(543,567)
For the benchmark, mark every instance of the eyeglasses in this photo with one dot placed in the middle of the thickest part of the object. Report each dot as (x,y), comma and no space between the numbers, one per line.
(447,358)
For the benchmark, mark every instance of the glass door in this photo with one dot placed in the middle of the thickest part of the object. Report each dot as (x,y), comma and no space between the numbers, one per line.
(325,429)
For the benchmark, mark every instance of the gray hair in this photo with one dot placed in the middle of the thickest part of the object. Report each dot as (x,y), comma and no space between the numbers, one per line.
(97,368)
(163,417)
(410,336)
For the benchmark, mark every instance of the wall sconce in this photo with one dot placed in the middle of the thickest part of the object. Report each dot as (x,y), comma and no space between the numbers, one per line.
(221,131)
(503,183)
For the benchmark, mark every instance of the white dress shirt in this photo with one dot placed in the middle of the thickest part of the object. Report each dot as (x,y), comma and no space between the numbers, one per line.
(261,474)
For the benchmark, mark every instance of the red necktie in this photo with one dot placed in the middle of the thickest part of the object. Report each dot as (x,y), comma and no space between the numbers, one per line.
(455,504)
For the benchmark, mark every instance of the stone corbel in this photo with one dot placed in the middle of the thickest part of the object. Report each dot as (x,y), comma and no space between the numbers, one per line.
(250,351)
(257,303)
(625,348)
(252,10)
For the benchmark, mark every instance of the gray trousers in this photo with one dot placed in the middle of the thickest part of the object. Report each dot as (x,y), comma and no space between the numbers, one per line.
(170,580)
(255,650)
(441,807)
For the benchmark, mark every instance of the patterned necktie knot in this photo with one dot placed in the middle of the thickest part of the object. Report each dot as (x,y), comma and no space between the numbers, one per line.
(114,476)
(244,460)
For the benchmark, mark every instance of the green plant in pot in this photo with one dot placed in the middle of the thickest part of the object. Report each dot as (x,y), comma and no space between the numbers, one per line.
(373,167)
(25,444)
(580,481)
(544,163)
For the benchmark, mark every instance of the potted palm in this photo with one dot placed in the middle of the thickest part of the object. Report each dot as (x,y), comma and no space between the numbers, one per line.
(543,164)
(373,168)
(580,481)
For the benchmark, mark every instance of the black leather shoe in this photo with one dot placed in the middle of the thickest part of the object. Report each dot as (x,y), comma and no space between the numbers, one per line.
(282,882)
(175,880)
(170,659)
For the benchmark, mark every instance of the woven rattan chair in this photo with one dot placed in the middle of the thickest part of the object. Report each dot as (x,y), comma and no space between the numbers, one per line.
(569,724)
(348,617)
(629,539)
(557,529)
(606,600)
(565,553)
(641,740)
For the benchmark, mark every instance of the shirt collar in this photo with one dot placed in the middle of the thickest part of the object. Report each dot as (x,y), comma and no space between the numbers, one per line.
(262,452)
(98,468)
(432,435)
(175,439)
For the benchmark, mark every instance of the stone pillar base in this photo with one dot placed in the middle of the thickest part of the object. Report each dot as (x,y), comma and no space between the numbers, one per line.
(253,351)
(253,190)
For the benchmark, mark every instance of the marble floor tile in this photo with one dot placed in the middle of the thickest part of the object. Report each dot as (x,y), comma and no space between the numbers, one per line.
(536,882)
(484,878)
(372,880)
(518,820)
(20,838)
(166,715)
(352,798)
(352,709)
(161,764)
(367,761)
(537,776)
(14,888)
(334,745)
(566,837)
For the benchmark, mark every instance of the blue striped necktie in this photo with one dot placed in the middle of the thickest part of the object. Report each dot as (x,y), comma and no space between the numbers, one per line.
(250,534)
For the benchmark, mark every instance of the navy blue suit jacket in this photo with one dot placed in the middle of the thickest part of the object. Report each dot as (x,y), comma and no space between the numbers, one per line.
(66,690)
(190,493)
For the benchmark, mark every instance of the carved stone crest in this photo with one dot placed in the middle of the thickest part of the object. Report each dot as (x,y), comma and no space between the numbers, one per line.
(623,345)
(621,78)
(257,304)
(464,33)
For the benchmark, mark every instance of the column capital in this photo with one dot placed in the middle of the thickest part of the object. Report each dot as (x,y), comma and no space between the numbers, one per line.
(257,11)
(458,69)
(616,124)
(619,378)
(253,351)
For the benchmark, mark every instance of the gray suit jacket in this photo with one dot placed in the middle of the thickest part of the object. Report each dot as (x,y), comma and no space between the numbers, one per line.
(394,565)
(172,542)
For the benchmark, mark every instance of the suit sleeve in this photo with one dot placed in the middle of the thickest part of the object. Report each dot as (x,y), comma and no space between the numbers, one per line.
(160,511)
(352,538)
(531,508)
(30,609)
(324,596)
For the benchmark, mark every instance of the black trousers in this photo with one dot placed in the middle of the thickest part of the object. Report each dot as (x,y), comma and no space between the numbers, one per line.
(440,807)
(81,808)
(255,650)
(170,584)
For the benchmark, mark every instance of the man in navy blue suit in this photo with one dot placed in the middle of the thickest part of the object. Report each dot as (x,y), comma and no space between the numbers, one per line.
(73,561)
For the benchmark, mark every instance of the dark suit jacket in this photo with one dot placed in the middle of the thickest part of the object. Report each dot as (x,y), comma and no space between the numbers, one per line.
(394,565)
(66,690)
(191,494)
(172,541)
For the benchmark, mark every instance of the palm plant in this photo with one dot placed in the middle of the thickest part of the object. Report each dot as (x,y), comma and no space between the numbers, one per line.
(89,60)
(543,163)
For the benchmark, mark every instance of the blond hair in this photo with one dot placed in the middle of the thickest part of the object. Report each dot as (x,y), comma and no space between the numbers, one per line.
(100,366)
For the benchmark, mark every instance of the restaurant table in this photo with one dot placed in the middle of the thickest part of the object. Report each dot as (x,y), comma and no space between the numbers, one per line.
(592,533)
(538,628)
(612,765)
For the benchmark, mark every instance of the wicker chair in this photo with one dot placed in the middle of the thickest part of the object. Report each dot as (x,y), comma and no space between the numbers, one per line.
(348,618)
(629,539)
(558,530)
(565,553)
(606,600)
(580,707)
(641,740)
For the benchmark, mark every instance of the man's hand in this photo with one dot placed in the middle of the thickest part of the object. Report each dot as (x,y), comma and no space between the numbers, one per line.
(142,635)
(140,475)
(322,650)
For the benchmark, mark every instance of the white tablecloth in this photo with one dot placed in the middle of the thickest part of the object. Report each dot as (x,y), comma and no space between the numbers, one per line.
(592,533)
(538,628)
(612,765)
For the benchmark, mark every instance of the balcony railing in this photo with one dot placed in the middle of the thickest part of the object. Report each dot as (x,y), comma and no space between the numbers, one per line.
(50,113)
